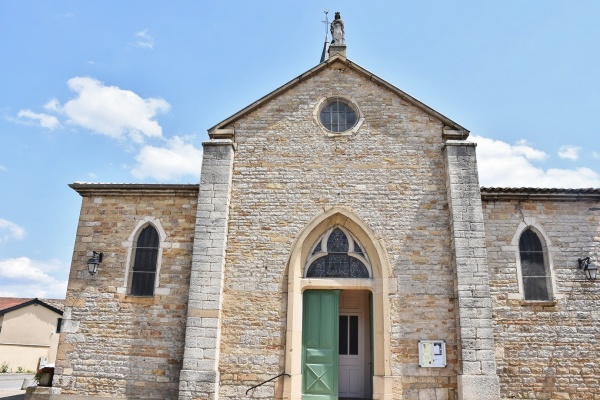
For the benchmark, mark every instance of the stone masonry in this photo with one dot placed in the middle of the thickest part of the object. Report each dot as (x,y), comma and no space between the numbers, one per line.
(545,350)
(390,173)
(200,374)
(114,345)
(477,377)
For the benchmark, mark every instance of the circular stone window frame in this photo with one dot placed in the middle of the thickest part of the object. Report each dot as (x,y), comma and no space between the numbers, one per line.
(350,102)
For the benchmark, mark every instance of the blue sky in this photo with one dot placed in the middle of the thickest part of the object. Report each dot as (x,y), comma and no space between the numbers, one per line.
(117,91)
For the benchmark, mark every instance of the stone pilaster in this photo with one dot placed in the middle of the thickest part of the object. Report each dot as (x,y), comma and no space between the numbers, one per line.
(477,377)
(199,376)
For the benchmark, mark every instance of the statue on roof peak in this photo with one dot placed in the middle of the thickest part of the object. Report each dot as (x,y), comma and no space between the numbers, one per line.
(337,30)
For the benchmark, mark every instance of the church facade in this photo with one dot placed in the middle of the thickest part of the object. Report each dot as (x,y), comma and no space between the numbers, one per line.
(338,245)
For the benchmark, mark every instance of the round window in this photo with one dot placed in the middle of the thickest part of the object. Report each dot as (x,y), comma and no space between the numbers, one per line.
(338,116)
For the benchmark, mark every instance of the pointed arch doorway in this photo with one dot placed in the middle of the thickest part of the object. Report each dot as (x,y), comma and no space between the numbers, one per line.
(329,288)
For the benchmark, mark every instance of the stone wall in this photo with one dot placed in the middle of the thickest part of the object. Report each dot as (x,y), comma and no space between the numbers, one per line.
(545,350)
(286,171)
(112,344)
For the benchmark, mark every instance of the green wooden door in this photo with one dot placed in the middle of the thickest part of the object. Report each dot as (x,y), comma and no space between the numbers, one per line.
(320,345)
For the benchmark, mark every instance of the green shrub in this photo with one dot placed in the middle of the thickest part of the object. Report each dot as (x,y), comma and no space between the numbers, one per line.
(4,368)
(20,370)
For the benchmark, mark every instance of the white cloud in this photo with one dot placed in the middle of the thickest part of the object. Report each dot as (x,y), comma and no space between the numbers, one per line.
(110,110)
(144,40)
(23,277)
(177,159)
(44,120)
(569,152)
(522,148)
(595,154)
(52,105)
(10,230)
(504,165)
(3,168)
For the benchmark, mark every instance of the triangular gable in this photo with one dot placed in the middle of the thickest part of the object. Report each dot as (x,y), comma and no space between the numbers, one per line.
(452,130)
(12,304)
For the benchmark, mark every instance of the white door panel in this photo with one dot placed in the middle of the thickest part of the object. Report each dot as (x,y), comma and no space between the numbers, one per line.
(351,356)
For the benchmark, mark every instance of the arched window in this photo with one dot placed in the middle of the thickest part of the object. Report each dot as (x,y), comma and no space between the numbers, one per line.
(145,255)
(337,255)
(537,282)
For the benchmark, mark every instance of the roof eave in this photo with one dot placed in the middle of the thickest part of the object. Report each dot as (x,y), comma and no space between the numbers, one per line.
(491,194)
(116,189)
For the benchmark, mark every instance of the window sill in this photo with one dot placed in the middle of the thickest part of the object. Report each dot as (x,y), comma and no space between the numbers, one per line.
(543,303)
(127,298)
(159,291)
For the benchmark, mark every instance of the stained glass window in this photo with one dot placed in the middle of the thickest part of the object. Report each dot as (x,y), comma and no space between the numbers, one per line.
(357,249)
(338,242)
(536,277)
(336,260)
(317,248)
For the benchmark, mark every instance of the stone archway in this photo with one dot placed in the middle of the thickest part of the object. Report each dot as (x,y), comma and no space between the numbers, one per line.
(378,285)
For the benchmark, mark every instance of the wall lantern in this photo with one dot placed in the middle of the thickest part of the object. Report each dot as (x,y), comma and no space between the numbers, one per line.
(590,270)
(94,262)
